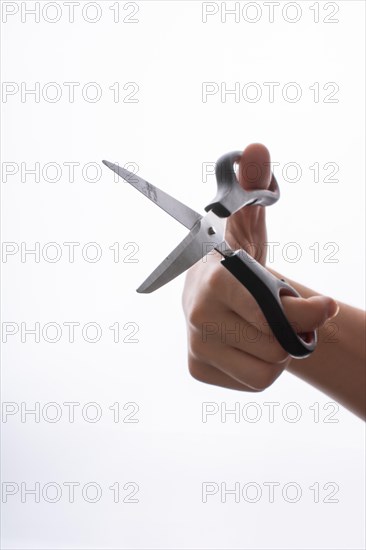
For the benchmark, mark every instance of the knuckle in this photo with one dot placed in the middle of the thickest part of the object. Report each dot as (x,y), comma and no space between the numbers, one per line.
(196,349)
(214,279)
(196,314)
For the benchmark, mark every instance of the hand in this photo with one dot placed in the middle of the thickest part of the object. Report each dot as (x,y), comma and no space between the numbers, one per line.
(226,347)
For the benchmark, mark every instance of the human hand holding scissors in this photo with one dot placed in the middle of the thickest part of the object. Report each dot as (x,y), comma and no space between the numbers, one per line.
(208,233)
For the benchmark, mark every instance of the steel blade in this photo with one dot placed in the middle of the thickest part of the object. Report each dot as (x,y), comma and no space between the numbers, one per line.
(207,234)
(179,211)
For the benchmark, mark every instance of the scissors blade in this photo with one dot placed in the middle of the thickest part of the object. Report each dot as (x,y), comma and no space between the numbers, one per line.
(179,211)
(197,244)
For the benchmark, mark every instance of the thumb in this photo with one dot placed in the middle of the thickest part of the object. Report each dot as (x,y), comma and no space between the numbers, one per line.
(308,314)
(246,228)
(254,167)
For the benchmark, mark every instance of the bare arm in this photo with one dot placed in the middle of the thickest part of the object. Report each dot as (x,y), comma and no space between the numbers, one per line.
(337,367)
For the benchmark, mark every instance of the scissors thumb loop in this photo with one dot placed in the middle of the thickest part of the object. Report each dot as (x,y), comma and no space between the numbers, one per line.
(230,196)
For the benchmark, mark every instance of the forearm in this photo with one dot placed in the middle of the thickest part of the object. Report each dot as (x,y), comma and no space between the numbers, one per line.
(337,366)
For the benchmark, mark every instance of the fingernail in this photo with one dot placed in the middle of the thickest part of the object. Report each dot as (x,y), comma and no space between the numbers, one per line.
(333,309)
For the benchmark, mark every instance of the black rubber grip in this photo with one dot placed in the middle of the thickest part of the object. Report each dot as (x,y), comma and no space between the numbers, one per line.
(266,290)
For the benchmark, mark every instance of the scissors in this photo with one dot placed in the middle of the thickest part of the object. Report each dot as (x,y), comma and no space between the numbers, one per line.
(208,232)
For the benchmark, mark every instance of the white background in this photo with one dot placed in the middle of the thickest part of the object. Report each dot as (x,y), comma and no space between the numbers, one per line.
(169,52)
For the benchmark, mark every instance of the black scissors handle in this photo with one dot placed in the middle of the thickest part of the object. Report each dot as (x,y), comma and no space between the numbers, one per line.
(231,196)
(267,291)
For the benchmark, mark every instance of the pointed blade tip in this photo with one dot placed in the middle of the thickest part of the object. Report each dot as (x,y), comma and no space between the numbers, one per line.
(142,289)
